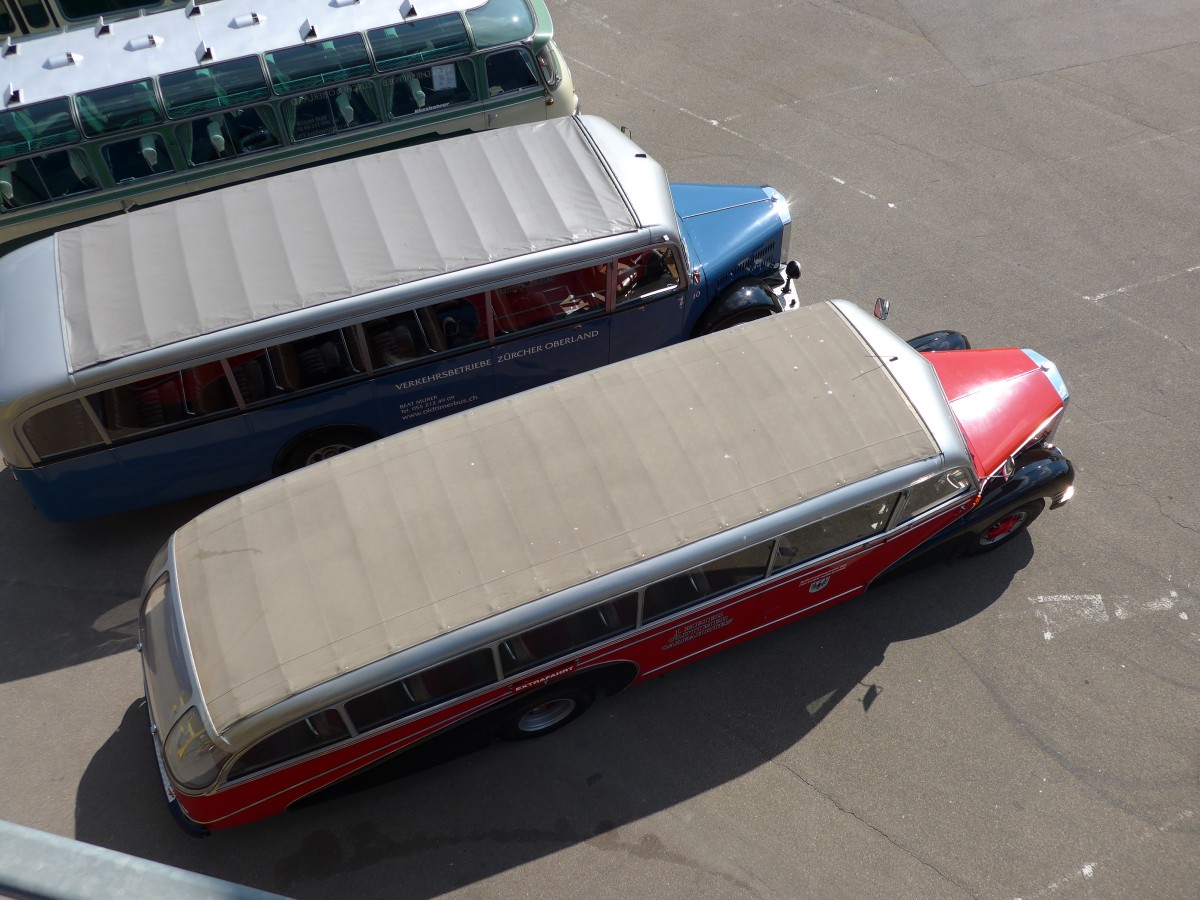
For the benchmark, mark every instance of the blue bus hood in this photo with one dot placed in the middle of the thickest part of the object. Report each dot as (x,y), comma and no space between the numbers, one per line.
(734,230)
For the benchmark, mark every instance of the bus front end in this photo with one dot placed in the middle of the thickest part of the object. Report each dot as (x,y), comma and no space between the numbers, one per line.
(738,239)
(188,758)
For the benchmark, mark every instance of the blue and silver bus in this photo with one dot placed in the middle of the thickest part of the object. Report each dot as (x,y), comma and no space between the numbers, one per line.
(98,120)
(221,339)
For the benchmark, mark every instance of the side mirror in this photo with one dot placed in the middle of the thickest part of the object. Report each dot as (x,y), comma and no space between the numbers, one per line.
(882,308)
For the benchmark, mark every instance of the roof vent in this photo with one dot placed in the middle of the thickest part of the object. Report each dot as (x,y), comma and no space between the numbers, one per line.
(63,60)
(11,49)
(337,4)
(247,20)
(204,53)
(103,29)
(144,42)
(407,10)
(193,9)
(11,95)
(308,31)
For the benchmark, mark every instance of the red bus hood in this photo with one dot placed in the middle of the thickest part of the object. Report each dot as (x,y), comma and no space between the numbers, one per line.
(1001,398)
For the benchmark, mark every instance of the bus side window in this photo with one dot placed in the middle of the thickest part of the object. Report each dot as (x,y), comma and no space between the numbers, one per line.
(709,580)
(225,135)
(450,679)
(567,634)
(834,532)
(298,365)
(252,373)
(50,176)
(429,88)
(61,429)
(535,303)
(394,340)
(316,731)
(132,408)
(511,70)
(206,390)
(136,158)
(925,495)
(649,272)
(455,324)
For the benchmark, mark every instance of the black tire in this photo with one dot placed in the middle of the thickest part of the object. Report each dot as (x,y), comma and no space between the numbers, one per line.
(320,445)
(545,712)
(1002,529)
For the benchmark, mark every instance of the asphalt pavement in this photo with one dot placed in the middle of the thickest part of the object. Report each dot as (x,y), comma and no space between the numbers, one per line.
(1019,725)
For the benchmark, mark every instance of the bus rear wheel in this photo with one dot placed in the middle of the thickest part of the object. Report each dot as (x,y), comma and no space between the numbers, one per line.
(546,712)
(320,445)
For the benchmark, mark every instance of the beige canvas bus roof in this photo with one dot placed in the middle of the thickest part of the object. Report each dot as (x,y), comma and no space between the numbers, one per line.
(291,241)
(340,564)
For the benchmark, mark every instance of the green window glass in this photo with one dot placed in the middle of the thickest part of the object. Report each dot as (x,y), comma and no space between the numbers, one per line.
(424,40)
(109,110)
(314,65)
(35,128)
(89,9)
(137,158)
(319,113)
(195,91)
(227,135)
(500,22)
(429,88)
(35,13)
(40,179)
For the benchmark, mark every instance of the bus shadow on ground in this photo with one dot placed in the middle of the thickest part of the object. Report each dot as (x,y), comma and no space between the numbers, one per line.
(69,592)
(631,756)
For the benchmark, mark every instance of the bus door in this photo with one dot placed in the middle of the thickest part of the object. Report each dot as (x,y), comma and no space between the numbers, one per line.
(649,303)
(515,94)
(430,361)
(549,328)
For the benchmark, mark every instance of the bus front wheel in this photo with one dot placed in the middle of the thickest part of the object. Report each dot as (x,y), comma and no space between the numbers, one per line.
(318,446)
(547,712)
(1004,528)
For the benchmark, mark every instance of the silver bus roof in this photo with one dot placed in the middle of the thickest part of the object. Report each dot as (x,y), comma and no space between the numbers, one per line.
(336,566)
(83,58)
(301,239)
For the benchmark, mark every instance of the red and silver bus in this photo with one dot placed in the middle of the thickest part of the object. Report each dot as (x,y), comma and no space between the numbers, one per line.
(489,574)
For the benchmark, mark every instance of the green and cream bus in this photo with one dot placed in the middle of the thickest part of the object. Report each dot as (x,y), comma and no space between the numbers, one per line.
(101,119)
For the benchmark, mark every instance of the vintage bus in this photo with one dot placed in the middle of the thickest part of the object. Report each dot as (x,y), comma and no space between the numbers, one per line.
(492,572)
(220,339)
(128,113)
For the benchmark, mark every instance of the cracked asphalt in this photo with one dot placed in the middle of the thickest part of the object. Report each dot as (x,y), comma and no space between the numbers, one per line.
(1020,725)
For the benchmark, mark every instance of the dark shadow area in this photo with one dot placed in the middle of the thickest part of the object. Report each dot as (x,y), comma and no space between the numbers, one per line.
(633,755)
(69,591)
